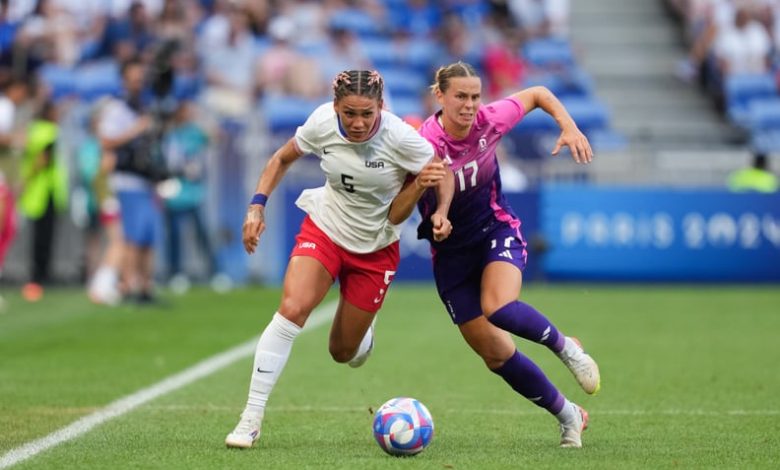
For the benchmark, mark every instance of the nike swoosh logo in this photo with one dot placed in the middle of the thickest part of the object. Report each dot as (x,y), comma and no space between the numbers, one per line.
(264,371)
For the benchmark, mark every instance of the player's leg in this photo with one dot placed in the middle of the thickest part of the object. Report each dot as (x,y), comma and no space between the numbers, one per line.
(364,285)
(351,334)
(500,355)
(500,288)
(305,285)
(502,279)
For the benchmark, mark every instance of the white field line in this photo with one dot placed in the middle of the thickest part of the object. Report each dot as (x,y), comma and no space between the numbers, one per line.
(126,404)
(497,412)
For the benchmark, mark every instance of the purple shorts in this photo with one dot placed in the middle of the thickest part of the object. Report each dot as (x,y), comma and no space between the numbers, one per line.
(458,273)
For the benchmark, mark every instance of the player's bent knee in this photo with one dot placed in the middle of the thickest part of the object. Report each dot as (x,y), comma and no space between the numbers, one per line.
(295,311)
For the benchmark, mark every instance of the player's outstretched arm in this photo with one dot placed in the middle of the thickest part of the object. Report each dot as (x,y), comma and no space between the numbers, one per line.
(254,222)
(571,136)
(431,175)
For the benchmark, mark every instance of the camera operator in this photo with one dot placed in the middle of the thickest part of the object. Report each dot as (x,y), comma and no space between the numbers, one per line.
(127,134)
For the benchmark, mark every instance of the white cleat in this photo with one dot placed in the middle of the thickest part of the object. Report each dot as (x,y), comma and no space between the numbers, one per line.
(571,433)
(361,359)
(584,368)
(247,431)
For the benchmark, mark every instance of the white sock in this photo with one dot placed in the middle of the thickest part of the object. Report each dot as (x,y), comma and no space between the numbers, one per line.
(567,414)
(365,344)
(271,355)
(104,284)
(570,347)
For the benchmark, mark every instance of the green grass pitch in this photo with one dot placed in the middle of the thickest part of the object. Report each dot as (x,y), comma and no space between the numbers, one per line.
(690,379)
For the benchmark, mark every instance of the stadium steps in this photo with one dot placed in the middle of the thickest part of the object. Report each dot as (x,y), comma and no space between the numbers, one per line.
(631,48)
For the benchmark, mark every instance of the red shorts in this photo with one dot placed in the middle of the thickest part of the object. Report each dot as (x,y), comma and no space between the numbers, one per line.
(364,278)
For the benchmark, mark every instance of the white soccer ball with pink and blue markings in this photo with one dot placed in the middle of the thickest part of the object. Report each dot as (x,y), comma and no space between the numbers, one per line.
(403,426)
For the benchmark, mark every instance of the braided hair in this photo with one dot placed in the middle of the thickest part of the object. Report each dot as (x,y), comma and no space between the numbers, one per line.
(368,83)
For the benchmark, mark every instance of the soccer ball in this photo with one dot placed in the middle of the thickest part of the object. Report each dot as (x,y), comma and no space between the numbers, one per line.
(403,426)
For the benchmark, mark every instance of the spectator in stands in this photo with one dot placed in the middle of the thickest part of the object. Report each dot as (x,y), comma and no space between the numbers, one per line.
(124,131)
(120,8)
(420,18)
(50,34)
(178,20)
(104,227)
(458,42)
(743,48)
(343,53)
(227,51)
(504,68)
(756,177)
(44,194)
(129,35)
(8,31)
(309,20)
(704,20)
(541,18)
(285,71)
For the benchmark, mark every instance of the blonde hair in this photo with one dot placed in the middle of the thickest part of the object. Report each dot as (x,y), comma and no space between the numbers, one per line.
(447,72)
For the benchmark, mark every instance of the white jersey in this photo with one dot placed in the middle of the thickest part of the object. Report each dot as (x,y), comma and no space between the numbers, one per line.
(362,178)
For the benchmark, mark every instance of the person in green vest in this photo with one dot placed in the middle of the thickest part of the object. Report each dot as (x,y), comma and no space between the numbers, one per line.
(757,177)
(44,193)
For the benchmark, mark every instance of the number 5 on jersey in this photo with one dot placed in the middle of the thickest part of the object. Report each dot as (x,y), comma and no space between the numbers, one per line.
(348,187)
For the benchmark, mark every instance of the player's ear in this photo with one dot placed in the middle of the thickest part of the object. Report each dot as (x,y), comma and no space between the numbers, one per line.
(381,104)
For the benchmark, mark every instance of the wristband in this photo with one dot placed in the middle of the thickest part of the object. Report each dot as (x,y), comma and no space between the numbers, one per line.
(259,199)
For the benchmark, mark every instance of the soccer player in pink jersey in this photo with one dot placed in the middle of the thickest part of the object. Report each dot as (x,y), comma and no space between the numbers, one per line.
(478,268)
(376,168)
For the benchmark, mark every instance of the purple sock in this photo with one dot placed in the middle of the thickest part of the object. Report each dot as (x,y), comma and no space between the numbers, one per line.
(524,321)
(527,379)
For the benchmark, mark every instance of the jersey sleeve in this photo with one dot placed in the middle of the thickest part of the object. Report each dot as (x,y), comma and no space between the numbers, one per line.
(504,114)
(308,136)
(414,150)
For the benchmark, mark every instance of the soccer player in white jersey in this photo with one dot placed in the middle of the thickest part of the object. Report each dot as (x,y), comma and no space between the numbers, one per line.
(376,168)
(478,269)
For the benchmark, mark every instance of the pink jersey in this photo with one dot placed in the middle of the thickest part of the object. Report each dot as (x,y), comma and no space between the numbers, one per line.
(478,202)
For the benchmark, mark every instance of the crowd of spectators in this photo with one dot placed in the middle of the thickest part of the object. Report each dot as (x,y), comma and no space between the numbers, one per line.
(225,60)
(728,37)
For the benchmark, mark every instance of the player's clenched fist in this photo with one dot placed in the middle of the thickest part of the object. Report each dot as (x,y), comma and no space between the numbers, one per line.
(431,174)
(254,224)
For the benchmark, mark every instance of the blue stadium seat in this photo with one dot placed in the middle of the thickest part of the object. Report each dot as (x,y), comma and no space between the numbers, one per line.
(286,113)
(407,106)
(589,113)
(537,121)
(766,142)
(96,80)
(61,81)
(548,53)
(571,82)
(357,21)
(187,87)
(403,82)
(764,115)
(379,51)
(383,53)
(607,140)
(741,90)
